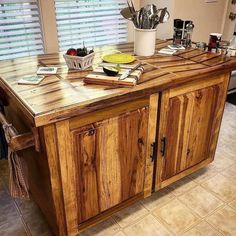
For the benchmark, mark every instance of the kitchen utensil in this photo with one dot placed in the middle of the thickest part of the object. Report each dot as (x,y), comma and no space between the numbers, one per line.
(128,72)
(147,17)
(126,13)
(119,58)
(164,15)
(132,9)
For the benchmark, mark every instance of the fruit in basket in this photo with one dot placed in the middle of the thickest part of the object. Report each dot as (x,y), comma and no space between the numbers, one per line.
(111,71)
(82,52)
(71,52)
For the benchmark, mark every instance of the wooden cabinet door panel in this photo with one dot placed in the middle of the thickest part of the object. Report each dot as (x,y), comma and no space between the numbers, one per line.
(189,124)
(111,161)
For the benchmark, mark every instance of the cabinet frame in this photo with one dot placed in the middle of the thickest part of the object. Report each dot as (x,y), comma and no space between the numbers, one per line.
(59,146)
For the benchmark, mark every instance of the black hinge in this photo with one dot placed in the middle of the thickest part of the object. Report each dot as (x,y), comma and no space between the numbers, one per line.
(153,151)
(163,146)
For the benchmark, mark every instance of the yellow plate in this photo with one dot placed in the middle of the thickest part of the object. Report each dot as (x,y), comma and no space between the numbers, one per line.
(119,58)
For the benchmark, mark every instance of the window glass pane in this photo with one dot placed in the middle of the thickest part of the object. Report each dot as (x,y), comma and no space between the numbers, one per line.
(95,22)
(20,31)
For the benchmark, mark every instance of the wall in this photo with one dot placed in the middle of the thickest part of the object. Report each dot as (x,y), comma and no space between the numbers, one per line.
(207,17)
(229,25)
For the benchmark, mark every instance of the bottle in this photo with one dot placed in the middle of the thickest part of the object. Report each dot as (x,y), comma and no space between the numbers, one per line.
(188,31)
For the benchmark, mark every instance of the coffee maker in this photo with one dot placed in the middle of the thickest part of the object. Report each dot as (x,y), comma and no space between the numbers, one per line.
(183,32)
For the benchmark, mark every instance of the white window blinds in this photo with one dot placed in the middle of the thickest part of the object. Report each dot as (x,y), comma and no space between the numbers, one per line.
(20,32)
(96,22)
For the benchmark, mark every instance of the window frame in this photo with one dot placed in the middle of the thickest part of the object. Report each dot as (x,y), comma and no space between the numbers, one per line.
(49,26)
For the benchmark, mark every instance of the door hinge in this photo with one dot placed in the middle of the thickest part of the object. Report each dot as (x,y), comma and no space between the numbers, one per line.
(163,146)
(153,151)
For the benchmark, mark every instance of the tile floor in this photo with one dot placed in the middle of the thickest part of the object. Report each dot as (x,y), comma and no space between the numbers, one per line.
(203,203)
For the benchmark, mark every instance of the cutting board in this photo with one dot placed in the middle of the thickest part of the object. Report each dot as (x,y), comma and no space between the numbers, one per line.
(97,76)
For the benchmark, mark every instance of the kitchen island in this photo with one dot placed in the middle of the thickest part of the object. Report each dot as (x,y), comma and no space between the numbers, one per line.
(92,150)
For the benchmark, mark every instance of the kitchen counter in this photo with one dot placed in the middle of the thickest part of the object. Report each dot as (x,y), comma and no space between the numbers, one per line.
(92,150)
(65,95)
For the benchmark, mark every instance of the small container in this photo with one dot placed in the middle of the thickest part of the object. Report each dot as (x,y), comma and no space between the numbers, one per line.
(214,40)
(201,45)
(79,63)
(144,42)
(223,47)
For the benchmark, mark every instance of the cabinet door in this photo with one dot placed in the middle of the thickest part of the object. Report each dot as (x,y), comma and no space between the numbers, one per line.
(189,125)
(111,161)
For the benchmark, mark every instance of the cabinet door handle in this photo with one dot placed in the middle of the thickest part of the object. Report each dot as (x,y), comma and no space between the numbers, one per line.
(163,146)
(153,151)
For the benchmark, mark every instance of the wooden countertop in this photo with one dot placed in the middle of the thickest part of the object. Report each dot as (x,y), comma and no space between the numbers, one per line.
(65,95)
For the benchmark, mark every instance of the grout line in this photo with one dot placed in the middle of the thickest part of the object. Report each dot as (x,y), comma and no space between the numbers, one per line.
(22,218)
(215,194)
(168,227)
(213,226)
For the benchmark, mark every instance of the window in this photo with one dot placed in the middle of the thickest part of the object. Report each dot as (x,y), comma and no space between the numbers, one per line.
(20,31)
(95,22)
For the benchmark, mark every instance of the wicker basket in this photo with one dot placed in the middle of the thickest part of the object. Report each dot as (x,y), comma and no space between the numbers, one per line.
(79,63)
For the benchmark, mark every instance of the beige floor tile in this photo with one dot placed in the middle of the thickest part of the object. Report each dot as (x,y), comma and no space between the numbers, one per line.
(230,172)
(225,151)
(119,234)
(203,174)
(148,226)
(158,199)
(108,227)
(130,214)
(223,187)
(221,163)
(177,216)
(13,227)
(36,223)
(233,205)
(182,186)
(224,220)
(201,201)
(202,229)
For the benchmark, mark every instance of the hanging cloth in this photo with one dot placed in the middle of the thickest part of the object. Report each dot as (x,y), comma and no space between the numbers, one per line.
(18,186)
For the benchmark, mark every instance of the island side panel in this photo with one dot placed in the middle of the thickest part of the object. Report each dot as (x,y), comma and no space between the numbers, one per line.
(36,163)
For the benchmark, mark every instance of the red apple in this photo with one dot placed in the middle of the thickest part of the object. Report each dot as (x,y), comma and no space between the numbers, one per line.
(71,52)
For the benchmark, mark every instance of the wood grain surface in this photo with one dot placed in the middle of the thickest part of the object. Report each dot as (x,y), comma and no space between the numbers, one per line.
(65,95)
(111,156)
(190,119)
